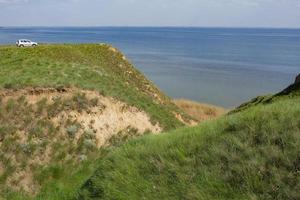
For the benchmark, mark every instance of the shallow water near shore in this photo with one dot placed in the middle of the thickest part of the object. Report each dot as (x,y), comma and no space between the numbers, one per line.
(220,66)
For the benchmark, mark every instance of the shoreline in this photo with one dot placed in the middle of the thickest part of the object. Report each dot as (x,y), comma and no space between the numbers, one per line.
(200,111)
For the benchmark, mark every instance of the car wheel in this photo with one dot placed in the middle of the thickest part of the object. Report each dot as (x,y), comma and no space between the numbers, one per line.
(34,45)
(21,45)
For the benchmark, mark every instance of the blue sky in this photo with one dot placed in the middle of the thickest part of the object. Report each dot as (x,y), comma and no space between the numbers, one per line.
(212,13)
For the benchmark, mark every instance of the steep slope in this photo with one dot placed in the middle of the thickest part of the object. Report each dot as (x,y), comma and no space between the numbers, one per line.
(290,92)
(250,154)
(60,105)
(96,67)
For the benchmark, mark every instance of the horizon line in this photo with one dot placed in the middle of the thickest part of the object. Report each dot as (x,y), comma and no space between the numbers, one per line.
(117,26)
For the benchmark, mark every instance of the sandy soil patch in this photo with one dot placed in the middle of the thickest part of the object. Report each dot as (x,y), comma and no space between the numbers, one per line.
(96,124)
(199,111)
(106,120)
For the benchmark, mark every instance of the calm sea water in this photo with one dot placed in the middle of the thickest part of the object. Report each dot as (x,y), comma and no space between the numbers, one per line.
(213,65)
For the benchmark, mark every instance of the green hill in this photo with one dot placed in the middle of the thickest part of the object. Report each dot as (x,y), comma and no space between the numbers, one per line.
(93,67)
(61,106)
(70,117)
(253,153)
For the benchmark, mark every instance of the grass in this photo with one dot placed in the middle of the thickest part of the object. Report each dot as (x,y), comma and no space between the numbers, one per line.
(290,92)
(64,184)
(252,154)
(27,131)
(87,66)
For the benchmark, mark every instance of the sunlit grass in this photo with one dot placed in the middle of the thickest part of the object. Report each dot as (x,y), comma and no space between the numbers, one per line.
(93,67)
(249,155)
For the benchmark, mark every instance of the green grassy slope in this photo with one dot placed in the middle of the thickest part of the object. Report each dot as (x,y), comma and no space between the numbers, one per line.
(28,133)
(87,66)
(251,154)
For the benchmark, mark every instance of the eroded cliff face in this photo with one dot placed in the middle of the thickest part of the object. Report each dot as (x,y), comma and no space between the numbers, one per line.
(43,127)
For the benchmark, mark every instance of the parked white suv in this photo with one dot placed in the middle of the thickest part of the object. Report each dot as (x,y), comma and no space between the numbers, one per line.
(26,43)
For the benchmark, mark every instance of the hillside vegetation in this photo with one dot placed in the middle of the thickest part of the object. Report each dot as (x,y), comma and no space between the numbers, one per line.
(78,122)
(61,106)
(293,91)
(96,67)
(252,153)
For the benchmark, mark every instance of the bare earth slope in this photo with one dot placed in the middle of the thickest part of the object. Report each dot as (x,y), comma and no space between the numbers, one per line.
(44,124)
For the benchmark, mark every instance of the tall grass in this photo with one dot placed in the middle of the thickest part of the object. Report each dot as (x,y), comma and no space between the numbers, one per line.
(249,155)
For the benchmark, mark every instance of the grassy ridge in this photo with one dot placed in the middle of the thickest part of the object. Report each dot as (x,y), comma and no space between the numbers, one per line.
(290,92)
(87,66)
(252,154)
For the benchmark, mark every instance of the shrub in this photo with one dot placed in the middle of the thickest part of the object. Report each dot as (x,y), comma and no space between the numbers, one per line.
(72,130)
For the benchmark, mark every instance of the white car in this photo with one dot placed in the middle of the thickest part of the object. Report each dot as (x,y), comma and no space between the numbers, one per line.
(26,43)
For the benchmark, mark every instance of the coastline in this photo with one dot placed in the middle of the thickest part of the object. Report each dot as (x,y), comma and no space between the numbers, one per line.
(200,111)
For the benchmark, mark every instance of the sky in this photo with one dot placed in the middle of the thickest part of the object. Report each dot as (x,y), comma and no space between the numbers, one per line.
(202,13)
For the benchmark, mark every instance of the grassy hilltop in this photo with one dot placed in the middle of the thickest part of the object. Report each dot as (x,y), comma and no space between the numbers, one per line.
(93,67)
(252,153)
(61,105)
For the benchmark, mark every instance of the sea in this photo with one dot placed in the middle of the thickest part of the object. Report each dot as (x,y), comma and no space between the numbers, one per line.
(220,66)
